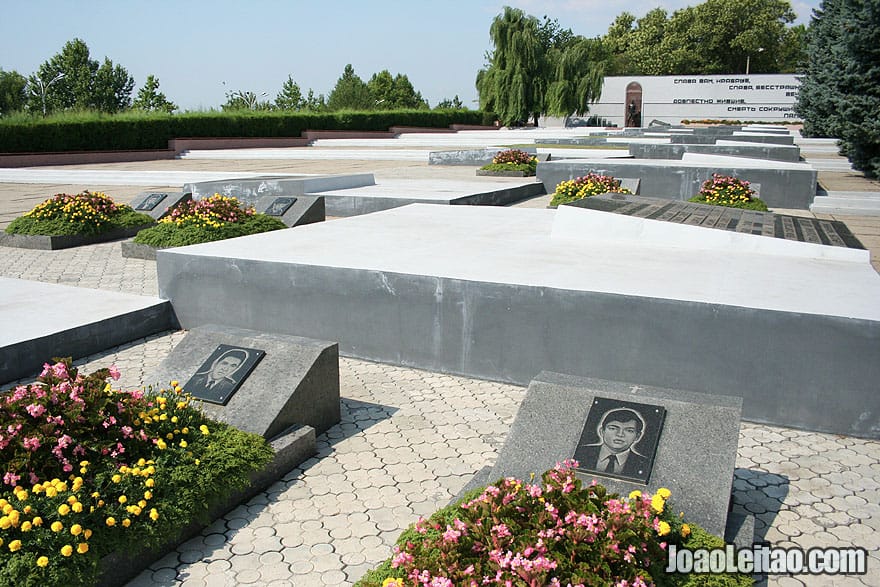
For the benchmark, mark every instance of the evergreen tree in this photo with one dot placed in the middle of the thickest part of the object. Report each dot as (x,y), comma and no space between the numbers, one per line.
(290,97)
(350,92)
(151,99)
(111,88)
(447,104)
(840,93)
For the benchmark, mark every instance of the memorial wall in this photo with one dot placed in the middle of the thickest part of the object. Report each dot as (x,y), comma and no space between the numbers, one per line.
(637,100)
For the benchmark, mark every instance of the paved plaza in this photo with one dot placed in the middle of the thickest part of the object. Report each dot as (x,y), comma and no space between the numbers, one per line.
(409,440)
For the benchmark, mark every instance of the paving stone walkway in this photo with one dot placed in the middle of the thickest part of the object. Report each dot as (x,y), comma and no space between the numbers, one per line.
(409,440)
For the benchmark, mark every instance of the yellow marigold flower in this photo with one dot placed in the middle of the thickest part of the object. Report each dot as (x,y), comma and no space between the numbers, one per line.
(635,494)
(126,523)
(21,495)
(82,547)
(185,430)
(100,503)
(664,493)
(64,509)
(15,545)
(685,530)
(26,526)
(37,521)
(174,383)
(148,495)
(77,507)
(71,500)
(5,523)
(204,429)
(393,582)
(160,444)
(66,550)
(149,482)
(83,463)
(154,514)
(116,478)
(183,444)
(664,529)
(122,499)
(57,526)
(657,504)
(14,517)
(42,561)
(174,419)
(87,533)
(142,503)
(76,529)
(111,521)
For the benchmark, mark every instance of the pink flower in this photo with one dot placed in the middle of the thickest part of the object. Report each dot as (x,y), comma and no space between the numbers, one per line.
(35,410)
(31,443)
(11,478)
(114,372)
(451,534)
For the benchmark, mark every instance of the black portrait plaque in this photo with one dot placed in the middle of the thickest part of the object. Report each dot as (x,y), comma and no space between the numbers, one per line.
(620,439)
(279,206)
(150,202)
(222,373)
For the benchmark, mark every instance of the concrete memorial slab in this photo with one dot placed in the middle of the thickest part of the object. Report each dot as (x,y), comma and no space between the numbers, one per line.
(503,293)
(293,211)
(727,148)
(783,184)
(250,189)
(158,204)
(256,381)
(671,438)
(39,321)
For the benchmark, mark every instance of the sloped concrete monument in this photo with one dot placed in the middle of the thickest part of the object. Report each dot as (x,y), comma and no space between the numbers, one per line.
(792,328)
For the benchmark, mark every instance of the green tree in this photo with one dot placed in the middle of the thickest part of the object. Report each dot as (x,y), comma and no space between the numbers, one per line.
(350,92)
(71,79)
(514,82)
(840,93)
(538,67)
(290,97)
(394,92)
(314,103)
(447,104)
(12,92)
(149,97)
(245,100)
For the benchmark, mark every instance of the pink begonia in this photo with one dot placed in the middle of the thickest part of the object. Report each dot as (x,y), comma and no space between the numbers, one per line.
(31,443)
(60,370)
(401,558)
(35,410)
(114,372)
(451,534)
(501,530)
(11,478)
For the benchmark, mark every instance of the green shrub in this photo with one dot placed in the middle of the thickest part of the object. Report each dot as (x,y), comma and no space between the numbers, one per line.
(591,184)
(86,213)
(513,532)
(89,470)
(729,192)
(210,219)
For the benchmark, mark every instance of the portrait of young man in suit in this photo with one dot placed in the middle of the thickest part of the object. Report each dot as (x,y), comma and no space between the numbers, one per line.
(622,444)
(222,373)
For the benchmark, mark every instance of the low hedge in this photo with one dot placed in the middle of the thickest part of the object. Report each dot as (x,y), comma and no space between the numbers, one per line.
(91,131)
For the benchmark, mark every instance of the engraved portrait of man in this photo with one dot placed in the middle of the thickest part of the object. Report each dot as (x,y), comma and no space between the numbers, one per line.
(222,373)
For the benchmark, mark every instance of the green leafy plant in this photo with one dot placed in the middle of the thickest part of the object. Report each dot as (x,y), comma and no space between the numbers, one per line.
(89,470)
(210,219)
(724,190)
(588,185)
(513,160)
(87,213)
(554,532)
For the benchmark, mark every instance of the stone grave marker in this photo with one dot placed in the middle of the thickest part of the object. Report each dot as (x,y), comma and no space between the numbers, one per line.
(158,204)
(262,383)
(293,210)
(681,440)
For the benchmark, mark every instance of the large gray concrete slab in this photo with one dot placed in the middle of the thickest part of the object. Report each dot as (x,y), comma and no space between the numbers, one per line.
(39,321)
(394,193)
(729,148)
(783,184)
(488,292)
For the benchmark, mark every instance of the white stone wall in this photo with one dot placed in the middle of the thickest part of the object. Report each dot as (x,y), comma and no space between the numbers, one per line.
(673,98)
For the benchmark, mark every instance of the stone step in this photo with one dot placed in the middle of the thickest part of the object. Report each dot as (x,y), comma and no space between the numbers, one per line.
(862,206)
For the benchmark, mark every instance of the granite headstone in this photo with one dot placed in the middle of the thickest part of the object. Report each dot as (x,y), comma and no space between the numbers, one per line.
(158,204)
(695,453)
(293,210)
(296,382)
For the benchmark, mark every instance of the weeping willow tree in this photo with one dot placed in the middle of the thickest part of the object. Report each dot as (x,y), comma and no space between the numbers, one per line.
(537,67)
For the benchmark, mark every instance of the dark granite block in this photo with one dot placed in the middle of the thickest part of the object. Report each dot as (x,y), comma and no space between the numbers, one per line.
(293,211)
(158,204)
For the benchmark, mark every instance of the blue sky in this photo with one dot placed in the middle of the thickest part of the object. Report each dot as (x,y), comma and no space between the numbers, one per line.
(200,50)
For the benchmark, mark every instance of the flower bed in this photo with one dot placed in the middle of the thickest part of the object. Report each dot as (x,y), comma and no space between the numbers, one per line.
(89,470)
(210,219)
(555,532)
(724,190)
(511,163)
(588,185)
(66,220)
